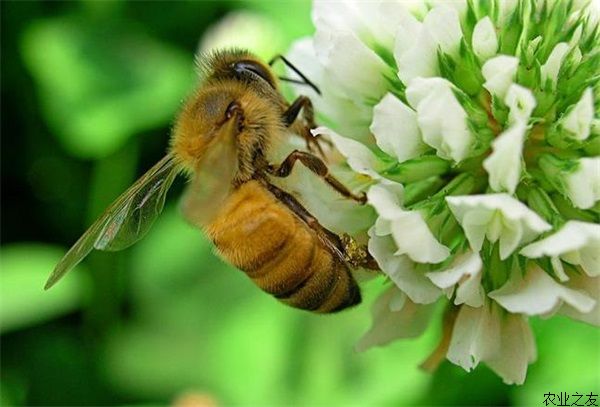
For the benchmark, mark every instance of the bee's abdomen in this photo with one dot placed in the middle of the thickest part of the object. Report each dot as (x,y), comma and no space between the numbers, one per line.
(282,255)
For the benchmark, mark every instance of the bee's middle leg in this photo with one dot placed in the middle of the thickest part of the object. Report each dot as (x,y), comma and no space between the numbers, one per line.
(317,166)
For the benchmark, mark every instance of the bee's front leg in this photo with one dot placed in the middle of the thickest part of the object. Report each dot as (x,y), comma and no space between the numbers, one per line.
(304,104)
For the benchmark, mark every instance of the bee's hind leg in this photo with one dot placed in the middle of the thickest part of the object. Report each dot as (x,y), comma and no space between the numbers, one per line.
(344,246)
(357,255)
(316,165)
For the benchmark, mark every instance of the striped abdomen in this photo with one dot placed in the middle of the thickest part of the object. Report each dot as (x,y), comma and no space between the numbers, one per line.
(280,253)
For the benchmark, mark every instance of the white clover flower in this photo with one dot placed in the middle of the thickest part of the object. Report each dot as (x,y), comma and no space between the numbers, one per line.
(440,116)
(484,334)
(466,274)
(499,73)
(478,137)
(485,41)
(583,184)
(578,120)
(576,243)
(420,245)
(395,316)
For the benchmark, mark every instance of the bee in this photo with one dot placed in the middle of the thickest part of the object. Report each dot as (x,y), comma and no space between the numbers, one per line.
(223,139)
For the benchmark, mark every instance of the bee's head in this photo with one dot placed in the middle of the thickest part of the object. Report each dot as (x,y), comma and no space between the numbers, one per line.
(210,120)
(236,64)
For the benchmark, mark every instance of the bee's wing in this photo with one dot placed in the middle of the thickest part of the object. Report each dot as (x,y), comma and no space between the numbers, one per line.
(126,220)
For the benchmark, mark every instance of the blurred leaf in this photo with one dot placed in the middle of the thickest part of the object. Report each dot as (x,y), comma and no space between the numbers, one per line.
(101,81)
(568,361)
(23,301)
(448,386)
(292,16)
(12,392)
(204,326)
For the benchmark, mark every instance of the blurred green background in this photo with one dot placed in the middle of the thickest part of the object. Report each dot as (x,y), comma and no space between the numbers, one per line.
(89,92)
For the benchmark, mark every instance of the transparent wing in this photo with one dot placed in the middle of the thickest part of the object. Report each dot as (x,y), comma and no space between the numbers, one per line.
(126,220)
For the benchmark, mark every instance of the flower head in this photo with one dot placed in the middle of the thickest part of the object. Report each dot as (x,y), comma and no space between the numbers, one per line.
(476,125)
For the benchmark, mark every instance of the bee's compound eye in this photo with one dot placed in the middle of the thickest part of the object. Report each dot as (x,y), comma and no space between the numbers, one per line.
(253,68)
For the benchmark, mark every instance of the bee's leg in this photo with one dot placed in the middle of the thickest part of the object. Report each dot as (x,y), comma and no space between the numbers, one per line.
(316,165)
(356,254)
(303,104)
(308,112)
(345,247)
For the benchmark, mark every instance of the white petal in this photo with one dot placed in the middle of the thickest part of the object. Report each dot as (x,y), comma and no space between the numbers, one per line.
(504,164)
(418,60)
(444,25)
(382,227)
(387,200)
(339,15)
(517,350)
(465,271)
(499,72)
(577,242)
(505,10)
(302,54)
(408,28)
(409,231)
(578,121)
(396,130)
(372,22)
(470,291)
(551,68)
(351,117)
(475,224)
(389,324)
(559,270)
(359,157)
(401,270)
(413,238)
(465,265)
(583,185)
(441,118)
(391,15)
(520,102)
(485,41)
(475,336)
(538,294)
(353,67)
(497,216)
(590,285)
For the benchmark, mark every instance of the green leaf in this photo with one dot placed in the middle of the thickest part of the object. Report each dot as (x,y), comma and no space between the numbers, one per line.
(562,368)
(292,16)
(23,301)
(101,82)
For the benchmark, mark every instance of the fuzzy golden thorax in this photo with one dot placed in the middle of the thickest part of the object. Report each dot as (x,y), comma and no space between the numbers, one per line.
(237,105)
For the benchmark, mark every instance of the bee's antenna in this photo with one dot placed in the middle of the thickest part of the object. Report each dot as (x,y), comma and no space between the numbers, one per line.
(293,68)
